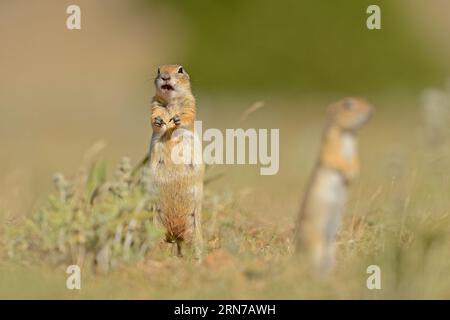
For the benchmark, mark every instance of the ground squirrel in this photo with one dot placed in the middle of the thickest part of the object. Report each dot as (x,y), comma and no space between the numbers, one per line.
(325,197)
(179,186)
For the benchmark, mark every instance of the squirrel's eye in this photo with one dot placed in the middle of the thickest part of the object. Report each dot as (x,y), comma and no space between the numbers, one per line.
(180,70)
(348,104)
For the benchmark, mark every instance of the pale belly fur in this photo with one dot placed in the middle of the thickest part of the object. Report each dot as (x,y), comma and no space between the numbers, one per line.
(328,197)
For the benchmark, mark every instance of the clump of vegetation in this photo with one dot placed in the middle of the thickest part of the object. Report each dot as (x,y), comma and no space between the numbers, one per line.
(90,221)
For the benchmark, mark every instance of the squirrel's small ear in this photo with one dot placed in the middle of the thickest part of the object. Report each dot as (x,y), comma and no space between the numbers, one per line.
(180,70)
(159,71)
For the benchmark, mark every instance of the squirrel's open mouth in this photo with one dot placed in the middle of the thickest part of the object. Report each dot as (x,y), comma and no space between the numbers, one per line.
(167,87)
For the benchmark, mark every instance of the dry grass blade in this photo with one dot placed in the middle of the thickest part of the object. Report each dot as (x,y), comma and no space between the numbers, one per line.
(214,178)
(93,151)
(253,108)
(140,165)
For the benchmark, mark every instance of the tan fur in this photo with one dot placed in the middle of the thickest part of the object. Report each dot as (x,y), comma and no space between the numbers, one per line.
(179,186)
(326,194)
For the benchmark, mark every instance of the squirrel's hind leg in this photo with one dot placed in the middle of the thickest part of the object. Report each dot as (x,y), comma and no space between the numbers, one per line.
(179,248)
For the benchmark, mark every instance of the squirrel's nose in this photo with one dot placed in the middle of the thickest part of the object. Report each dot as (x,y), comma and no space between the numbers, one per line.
(165,77)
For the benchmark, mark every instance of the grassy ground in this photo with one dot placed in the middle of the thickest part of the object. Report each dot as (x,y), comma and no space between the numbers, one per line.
(397,215)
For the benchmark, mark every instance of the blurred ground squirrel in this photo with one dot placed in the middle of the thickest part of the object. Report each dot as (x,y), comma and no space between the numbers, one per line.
(326,194)
(179,186)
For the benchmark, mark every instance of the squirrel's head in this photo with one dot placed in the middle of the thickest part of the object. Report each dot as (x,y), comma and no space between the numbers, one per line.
(172,81)
(350,113)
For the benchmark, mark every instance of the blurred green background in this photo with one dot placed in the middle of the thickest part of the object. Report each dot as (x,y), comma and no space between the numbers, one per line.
(303,46)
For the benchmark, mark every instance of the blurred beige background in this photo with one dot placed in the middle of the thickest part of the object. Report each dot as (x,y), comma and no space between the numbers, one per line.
(62,90)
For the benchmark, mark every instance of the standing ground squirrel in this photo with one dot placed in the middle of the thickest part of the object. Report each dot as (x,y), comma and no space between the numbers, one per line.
(179,186)
(326,194)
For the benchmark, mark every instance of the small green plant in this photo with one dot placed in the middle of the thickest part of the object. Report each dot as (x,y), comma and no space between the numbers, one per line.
(90,221)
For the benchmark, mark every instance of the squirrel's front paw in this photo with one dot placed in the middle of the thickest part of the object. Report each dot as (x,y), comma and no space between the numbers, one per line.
(176,120)
(159,122)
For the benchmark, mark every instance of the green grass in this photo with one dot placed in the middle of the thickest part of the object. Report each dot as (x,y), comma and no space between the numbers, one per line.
(91,222)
